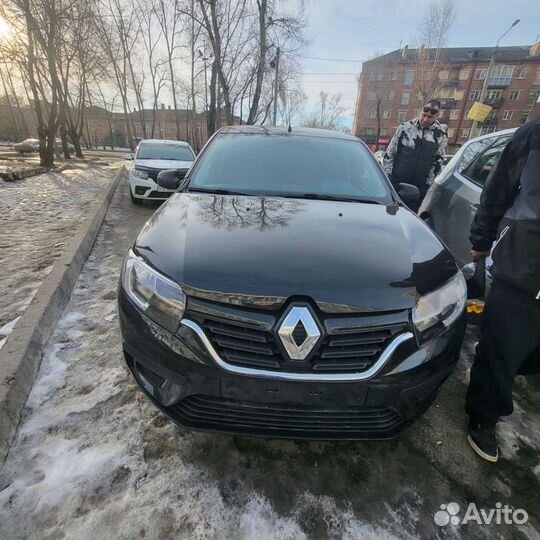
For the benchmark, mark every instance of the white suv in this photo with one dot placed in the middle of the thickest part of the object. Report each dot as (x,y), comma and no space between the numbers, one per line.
(151,157)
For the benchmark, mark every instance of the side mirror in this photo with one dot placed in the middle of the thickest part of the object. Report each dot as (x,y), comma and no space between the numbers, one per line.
(168,179)
(408,193)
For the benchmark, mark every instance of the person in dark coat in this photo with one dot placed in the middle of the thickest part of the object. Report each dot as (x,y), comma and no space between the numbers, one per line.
(416,152)
(507,225)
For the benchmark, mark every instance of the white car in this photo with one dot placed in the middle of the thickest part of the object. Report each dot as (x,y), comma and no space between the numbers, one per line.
(151,157)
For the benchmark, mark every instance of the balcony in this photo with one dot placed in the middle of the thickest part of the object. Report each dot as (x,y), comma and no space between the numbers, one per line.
(495,103)
(448,103)
(490,121)
(499,82)
(450,83)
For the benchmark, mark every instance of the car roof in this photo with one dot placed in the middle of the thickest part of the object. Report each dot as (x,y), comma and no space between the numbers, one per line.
(164,141)
(271,130)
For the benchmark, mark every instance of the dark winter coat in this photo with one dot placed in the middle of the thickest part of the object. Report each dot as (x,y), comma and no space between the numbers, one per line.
(510,212)
(415,154)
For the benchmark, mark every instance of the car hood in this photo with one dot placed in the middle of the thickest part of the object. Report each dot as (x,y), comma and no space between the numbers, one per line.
(262,251)
(162,164)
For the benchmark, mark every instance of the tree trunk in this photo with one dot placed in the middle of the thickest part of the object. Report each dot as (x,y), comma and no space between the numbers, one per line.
(262,5)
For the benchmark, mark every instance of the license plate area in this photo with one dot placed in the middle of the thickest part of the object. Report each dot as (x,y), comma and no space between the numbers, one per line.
(295,393)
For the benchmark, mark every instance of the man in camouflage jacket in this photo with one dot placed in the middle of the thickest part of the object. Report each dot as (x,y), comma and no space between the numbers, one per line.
(417,149)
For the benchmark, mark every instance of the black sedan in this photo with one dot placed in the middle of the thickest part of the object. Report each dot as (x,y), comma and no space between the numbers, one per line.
(285,290)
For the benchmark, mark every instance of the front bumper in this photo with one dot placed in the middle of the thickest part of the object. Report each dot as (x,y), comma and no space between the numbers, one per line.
(179,375)
(147,189)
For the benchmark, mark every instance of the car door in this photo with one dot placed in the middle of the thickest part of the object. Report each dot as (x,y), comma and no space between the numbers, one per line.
(470,175)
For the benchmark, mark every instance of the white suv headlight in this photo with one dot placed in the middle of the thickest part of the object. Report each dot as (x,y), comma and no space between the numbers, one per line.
(436,311)
(138,173)
(160,298)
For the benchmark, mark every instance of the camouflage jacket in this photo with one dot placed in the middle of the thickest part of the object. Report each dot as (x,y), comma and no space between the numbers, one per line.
(415,154)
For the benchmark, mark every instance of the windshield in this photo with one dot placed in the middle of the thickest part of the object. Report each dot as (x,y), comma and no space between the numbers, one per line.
(290,166)
(175,152)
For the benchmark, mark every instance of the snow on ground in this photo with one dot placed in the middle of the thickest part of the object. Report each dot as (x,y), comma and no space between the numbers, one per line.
(39,216)
(94,459)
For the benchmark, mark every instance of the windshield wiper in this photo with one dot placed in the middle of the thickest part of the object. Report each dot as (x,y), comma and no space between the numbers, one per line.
(323,197)
(218,191)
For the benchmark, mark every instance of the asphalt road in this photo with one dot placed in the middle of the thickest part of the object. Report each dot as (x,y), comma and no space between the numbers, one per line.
(94,459)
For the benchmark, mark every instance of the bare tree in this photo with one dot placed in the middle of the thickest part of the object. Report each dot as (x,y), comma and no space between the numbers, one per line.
(432,37)
(329,112)
(168,16)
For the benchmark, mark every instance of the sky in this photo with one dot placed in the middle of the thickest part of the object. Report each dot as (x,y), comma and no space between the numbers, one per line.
(357,29)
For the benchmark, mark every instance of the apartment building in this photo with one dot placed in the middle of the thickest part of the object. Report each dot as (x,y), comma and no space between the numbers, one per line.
(393,87)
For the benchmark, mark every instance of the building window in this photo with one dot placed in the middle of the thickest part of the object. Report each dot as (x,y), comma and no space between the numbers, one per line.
(524,117)
(480,74)
(390,95)
(533,97)
(537,80)
(372,96)
(451,133)
(405,98)
(416,113)
(494,94)
(379,76)
(92,126)
(521,73)
(372,113)
(464,133)
(372,76)
(401,116)
(409,78)
(454,115)
(507,115)
(393,75)
(443,75)
(501,75)
(487,129)
(464,74)
(475,95)
(446,93)
(514,95)
(368,131)
(386,114)
(384,132)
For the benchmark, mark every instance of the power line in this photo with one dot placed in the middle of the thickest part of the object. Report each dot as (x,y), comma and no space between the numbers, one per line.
(330,73)
(331,59)
(330,82)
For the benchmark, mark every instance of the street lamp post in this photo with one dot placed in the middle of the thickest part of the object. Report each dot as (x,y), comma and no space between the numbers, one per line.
(488,74)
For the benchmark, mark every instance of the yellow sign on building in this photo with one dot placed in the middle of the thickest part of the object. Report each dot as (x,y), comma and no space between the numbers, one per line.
(479,112)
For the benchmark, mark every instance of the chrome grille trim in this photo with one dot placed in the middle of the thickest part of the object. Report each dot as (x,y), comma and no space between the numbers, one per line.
(306,377)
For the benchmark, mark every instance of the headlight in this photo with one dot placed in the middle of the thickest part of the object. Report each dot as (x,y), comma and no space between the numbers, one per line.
(139,173)
(437,310)
(161,299)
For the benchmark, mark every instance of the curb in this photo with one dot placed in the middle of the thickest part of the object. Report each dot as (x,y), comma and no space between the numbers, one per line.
(20,356)
(12,176)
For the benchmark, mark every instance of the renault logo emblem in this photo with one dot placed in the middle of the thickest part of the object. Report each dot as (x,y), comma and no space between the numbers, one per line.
(299,333)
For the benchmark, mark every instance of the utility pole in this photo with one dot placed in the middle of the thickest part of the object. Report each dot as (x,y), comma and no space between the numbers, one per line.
(474,127)
(276,88)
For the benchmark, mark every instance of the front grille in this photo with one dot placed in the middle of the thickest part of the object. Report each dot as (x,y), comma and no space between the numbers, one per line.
(343,350)
(355,350)
(220,414)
